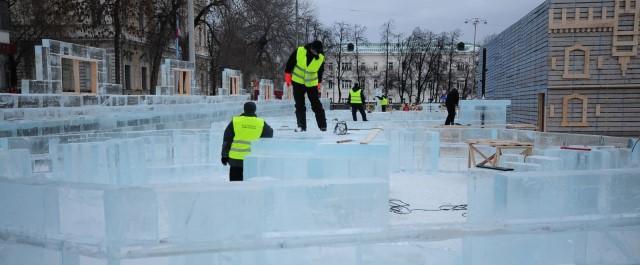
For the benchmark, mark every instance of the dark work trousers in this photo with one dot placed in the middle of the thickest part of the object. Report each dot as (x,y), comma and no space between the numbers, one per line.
(301,110)
(384,108)
(236,173)
(452,115)
(358,107)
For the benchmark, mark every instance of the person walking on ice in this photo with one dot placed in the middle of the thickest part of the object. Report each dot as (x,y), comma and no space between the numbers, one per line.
(357,101)
(304,71)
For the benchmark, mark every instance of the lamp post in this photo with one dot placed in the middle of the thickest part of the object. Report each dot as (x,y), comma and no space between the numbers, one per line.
(475,22)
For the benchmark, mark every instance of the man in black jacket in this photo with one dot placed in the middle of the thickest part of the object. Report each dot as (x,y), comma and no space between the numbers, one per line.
(453,98)
(356,100)
(238,135)
(304,71)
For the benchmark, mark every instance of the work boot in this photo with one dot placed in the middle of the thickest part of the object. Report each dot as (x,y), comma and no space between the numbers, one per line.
(300,130)
(323,129)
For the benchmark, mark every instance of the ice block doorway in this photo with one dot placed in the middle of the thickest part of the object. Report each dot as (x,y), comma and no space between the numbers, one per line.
(183,80)
(234,81)
(79,75)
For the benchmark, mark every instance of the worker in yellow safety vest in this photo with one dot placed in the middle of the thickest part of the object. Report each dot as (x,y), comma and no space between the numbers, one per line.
(384,102)
(304,71)
(241,131)
(357,101)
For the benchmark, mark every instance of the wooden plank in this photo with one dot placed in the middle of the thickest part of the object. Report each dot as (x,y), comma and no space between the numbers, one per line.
(94,78)
(372,135)
(76,76)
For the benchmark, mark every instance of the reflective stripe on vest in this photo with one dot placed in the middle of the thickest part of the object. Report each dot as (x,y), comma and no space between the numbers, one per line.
(356,96)
(384,102)
(306,74)
(246,130)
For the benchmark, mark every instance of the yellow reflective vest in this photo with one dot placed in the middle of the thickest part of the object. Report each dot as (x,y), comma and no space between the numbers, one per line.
(384,102)
(246,130)
(306,74)
(356,96)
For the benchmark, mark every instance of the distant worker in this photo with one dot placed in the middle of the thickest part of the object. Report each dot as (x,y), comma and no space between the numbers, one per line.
(453,98)
(238,135)
(356,100)
(304,71)
(384,102)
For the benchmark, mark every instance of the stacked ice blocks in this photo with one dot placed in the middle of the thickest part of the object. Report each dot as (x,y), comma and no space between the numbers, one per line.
(553,195)
(483,112)
(290,158)
(414,150)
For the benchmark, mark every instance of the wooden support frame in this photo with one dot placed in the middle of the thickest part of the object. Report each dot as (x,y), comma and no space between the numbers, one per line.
(233,83)
(499,145)
(93,74)
(183,79)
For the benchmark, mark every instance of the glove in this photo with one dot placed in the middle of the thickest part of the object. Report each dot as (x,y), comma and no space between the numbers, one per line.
(319,88)
(224,160)
(287,79)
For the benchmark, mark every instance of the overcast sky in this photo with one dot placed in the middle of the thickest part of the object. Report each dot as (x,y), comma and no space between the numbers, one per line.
(435,15)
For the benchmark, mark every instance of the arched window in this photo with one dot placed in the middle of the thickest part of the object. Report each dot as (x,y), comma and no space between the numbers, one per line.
(574,111)
(576,62)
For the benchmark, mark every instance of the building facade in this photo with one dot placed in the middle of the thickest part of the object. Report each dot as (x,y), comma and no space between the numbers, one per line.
(6,49)
(571,66)
(372,60)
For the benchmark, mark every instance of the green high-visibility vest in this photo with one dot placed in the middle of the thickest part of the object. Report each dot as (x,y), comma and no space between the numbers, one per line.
(356,96)
(246,130)
(306,74)
(384,102)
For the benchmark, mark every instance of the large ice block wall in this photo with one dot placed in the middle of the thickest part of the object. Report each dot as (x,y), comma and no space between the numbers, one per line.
(483,112)
(48,62)
(553,194)
(168,70)
(148,182)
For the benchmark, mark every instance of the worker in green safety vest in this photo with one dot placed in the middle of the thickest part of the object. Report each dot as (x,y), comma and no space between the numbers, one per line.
(356,100)
(241,131)
(384,102)
(304,71)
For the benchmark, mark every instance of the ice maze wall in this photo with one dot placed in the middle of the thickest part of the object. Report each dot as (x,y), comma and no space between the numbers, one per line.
(144,173)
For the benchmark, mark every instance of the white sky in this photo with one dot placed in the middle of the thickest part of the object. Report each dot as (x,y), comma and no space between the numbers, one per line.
(434,15)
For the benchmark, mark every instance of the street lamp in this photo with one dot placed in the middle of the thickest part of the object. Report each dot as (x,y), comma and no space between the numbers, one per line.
(475,21)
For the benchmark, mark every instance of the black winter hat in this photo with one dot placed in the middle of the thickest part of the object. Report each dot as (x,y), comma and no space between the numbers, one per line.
(250,108)
(317,46)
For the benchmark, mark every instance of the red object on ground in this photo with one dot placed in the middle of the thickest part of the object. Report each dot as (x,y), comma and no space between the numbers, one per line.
(575,148)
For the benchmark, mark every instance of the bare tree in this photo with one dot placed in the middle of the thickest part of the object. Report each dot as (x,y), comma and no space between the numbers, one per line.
(341,33)
(32,21)
(451,49)
(358,37)
(386,36)
(162,16)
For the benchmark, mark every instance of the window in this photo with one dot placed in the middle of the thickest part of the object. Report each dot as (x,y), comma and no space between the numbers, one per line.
(346,84)
(346,66)
(330,84)
(127,77)
(390,66)
(144,78)
(203,81)
(375,66)
(375,83)
(330,66)
(363,67)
